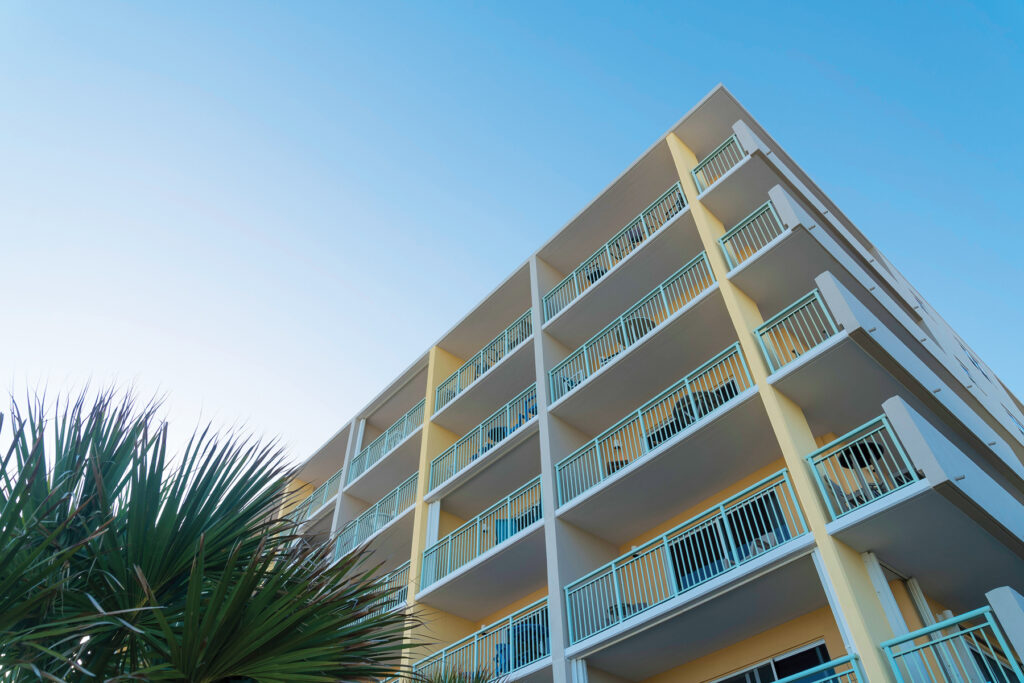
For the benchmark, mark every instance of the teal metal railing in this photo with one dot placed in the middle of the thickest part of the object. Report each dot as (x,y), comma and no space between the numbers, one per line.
(686,402)
(357,531)
(386,442)
(860,467)
(316,500)
(623,332)
(795,330)
(843,670)
(477,366)
(969,648)
(499,649)
(750,235)
(664,208)
(397,583)
(499,426)
(741,528)
(718,163)
(492,527)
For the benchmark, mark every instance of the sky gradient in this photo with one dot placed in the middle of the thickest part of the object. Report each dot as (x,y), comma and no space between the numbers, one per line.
(265,211)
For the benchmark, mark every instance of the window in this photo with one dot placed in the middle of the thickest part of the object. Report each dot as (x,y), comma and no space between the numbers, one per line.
(1017,422)
(973,360)
(786,665)
(966,371)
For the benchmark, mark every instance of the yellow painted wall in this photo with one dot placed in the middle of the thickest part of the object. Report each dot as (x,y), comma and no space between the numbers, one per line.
(792,635)
(844,566)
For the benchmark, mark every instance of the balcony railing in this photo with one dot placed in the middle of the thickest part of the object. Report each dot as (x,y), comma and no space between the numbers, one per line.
(795,330)
(505,646)
(357,531)
(398,583)
(514,335)
(843,670)
(317,499)
(860,467)
(718,163)
(386,442)
(751,234)
(686,402)
(489,529)
(617,248)
(743,527)
(969,648)
(626,330)
(485,436)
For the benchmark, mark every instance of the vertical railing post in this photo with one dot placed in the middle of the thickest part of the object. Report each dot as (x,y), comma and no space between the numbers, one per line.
(670,574)
(618,593)
(728,534)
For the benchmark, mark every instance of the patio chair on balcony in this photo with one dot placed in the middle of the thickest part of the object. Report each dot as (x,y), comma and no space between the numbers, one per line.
(848,501)
(530,639)
(506,528)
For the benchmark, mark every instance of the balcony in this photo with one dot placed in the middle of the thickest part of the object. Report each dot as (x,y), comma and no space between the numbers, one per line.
(380,516)
(516,646)
(720,540)
(494,435)
(751,235)
(396,581)
(618,248)
(644,318)
(316,501)
(861,467)
(913,495)
(718,163)
(702,433)
(484,361)
(396,451)
(795,330)
(969,648)
(490,560)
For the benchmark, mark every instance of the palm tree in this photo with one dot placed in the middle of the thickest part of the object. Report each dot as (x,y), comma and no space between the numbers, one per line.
(116,564)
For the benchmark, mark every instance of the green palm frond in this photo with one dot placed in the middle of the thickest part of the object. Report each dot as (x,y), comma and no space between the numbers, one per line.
(115,565)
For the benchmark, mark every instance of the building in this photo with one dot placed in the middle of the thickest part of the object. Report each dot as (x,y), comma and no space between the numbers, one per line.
(707,432)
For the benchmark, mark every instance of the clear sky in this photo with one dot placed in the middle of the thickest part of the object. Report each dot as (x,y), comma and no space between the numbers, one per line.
(268,210)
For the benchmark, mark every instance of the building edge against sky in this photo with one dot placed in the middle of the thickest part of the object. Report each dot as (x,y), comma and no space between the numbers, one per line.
(706,430)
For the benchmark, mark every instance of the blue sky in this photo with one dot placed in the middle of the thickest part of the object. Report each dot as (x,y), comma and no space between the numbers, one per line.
(267,210)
